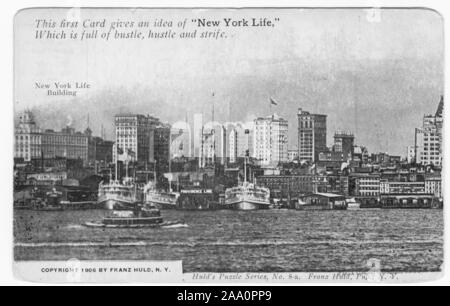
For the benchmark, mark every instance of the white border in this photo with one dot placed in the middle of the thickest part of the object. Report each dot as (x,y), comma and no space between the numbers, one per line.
(8,9)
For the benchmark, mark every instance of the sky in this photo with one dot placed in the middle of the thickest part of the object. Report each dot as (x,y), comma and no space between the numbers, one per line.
(375,73)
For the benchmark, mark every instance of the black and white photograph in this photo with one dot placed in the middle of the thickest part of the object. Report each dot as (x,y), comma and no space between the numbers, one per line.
(228,145)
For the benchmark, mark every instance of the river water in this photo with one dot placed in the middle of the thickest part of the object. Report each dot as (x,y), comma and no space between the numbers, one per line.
(245,241)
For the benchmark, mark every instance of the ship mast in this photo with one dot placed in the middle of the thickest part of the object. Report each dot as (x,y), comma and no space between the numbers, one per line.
(245,169)
(117,159)
(214,137)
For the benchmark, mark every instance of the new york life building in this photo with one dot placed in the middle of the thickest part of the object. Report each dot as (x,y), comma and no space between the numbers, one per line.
(35,144)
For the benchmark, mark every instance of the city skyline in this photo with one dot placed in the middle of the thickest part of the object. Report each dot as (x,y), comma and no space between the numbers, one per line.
(229,126)
(360,76)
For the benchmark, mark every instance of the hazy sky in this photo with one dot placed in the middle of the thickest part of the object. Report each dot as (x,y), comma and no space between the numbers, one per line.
(375,74)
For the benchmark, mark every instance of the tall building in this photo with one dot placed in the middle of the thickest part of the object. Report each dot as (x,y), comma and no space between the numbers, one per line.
(245,139)
(180,140)
(344,143)
(312,135)
(271,140)
(428,138)
(27,137)
(232,144)
(213,145)
(161,146)
(136,133)
(240,141)
(197,134)
(99,150)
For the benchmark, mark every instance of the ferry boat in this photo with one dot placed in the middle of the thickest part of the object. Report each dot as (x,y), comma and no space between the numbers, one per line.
(117,195)
(160,199)
(247,196)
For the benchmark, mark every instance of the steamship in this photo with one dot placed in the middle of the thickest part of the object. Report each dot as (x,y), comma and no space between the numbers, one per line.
(117,195)
(247,196)
(160,199)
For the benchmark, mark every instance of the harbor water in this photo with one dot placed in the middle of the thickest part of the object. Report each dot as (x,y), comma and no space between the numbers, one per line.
(245,241)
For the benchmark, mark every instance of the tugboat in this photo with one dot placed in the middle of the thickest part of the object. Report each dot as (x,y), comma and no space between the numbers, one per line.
(141,216)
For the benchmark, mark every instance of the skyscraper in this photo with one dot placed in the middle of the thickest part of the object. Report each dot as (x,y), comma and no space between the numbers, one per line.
(136,133)
(27,137)
(343,143)
(232,144)
(271,140)
(245,139)
(197,134)
(213,147)
(428,139)
(161,151)
(180,140)
(312,135)
(240,139)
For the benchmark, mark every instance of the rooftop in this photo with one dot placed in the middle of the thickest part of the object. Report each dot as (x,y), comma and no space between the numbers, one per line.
(329,195)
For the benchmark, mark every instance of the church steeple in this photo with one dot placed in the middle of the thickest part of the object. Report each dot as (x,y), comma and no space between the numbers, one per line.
(88,130)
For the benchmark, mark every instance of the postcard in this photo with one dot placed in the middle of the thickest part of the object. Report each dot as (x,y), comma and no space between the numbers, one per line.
(228,145)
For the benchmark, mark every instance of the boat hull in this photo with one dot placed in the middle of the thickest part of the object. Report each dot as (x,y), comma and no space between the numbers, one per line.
(162,205)
(353,207)
(168,224)
(247,205)
(116,204)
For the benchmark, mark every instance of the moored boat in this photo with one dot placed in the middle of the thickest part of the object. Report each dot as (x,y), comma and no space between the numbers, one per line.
(117,195)
(160,199)
(247,196)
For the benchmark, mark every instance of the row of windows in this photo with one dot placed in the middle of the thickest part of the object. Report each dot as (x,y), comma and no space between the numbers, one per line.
(369,193)
(27,137)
